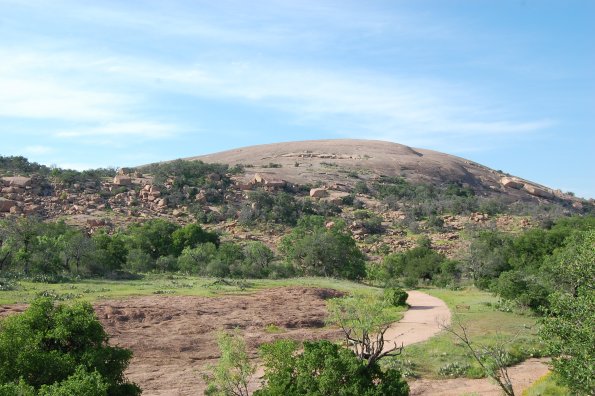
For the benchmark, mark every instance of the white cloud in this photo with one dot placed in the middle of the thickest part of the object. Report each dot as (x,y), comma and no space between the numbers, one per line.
(152,130)
(38,149)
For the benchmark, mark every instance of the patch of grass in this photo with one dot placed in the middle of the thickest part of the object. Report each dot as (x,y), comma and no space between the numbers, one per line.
(486,326)
(546,386)
(96,289)
(272,328)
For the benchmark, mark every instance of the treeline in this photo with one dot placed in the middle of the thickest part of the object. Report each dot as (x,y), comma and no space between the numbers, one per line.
(46,251)
(524,268)
(13,165)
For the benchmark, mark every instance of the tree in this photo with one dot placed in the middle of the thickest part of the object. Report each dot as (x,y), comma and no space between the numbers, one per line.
(320,251)
(364,322)
(231,375)
(493,359)
(78,249)
(52,347)
(195,260)
(324,368)
(154,237)
(569,327)
(111,252)
(191,235)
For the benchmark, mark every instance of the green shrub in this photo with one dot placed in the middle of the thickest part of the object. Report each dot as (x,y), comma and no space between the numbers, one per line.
(61,349)
(324,368)
(395,296)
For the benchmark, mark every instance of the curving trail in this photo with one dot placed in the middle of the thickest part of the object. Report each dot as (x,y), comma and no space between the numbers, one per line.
(421,321)
(522,376)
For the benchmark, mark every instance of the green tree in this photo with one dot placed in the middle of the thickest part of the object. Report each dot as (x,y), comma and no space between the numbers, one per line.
(315,249)
(154,237)
(364,320)
(110,253)
(48,344)
(324,368)
(569,328)
(231,375)
(195,260)
(191,235)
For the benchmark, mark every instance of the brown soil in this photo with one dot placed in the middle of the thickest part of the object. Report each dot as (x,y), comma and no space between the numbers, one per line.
(174,338)
(522,376)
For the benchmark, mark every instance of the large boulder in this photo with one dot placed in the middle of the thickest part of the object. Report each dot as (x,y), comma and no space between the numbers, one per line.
(17,181)
(318,193)
(122,180)
(511,182)
(538,191)
(6,205)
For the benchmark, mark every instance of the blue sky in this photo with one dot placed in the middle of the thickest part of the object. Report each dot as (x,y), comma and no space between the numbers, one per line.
(509,84)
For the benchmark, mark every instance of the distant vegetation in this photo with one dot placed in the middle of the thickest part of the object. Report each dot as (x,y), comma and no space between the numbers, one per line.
(545,272)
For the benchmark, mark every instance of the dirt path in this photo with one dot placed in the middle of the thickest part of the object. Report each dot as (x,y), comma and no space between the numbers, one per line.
(420,322)
(522,375)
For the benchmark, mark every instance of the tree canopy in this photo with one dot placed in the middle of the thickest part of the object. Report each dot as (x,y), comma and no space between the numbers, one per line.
(56,349)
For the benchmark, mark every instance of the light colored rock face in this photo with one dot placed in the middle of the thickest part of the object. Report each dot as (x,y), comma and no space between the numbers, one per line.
(6,205)
(122,180)
(318,193)
(537,191)
(511,183)
(17,181)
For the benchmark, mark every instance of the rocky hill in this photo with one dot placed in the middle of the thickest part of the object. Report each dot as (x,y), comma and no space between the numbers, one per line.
(345,161)
(380,188)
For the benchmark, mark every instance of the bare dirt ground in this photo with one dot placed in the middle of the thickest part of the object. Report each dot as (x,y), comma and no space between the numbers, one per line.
(522,376)
(174,338)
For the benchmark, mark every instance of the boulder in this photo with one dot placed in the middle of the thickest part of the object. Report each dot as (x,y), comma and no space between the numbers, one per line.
(122,180)
(258,178)
(17,181)
(511,182)
(275,183)
(318,193)
(537,191)
(6,205)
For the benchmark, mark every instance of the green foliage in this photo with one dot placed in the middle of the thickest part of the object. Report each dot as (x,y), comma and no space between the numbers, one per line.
(61,346)
(324,368)
(369,220)
(111,252)
(153,237)
(191,235)
(547,386)
(187,176)
(520,268)
(569,327)
(395,296)
(419,263)
(232,373)
(314,249)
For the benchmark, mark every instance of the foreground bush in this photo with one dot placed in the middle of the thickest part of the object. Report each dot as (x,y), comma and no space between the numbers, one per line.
(324,368)
(60,350)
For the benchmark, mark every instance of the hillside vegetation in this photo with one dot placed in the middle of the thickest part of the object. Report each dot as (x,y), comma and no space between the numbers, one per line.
(382,214)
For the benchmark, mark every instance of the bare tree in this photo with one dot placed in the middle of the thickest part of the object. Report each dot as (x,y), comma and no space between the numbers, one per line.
(492,359)
(364,324)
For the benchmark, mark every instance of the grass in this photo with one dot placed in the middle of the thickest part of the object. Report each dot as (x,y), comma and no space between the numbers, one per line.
(443,356)
(166,284)
(546,386)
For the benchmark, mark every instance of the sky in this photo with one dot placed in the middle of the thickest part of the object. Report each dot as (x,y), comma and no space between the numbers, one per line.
(506,83)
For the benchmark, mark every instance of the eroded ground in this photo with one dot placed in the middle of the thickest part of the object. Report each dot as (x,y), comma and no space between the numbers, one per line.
(174,338)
